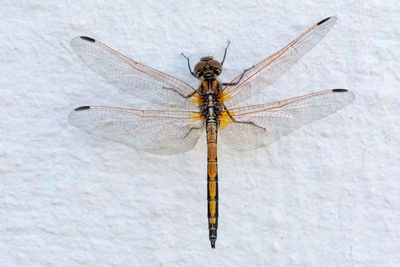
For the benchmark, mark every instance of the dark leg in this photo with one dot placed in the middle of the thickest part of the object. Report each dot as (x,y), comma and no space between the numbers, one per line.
(226,49)
(184,96)
(245,122)
(191,129)
(236,83)
(188,61)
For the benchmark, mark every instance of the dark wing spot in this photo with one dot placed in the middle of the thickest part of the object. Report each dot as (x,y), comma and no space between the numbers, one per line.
(322,21)
(88,39)
(339,90)
(82,108)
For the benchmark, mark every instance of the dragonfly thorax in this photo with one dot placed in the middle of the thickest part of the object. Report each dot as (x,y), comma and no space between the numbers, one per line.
(211,107)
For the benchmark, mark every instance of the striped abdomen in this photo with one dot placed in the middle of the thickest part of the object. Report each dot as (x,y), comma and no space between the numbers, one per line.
(212,181)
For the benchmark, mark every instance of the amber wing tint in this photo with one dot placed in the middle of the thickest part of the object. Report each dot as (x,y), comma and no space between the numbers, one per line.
(155,131)
(133,77)
(263,74)
(266,123)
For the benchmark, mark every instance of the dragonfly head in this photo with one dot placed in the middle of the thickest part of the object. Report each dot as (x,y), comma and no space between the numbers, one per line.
(207,68)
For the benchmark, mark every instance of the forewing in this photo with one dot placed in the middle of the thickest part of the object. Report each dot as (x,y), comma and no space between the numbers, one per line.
(260,125)
(270,69)
(137,79)
(154,131)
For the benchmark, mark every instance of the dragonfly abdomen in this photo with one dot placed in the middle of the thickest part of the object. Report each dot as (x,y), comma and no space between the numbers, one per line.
(212,180)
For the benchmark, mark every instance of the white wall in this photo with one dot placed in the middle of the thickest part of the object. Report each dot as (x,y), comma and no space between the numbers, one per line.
(327,195)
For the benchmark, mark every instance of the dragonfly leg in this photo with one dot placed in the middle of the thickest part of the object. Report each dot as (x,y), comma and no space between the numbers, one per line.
(226,49)
(182,95)
(236,83)
(244,122)
(188,62)
(191,129)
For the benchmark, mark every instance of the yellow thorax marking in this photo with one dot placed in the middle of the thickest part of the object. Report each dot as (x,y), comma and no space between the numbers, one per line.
(225,119)
(224,96)
(193,118)
(196,98)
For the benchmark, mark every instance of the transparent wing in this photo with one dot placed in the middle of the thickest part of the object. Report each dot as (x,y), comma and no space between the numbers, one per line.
(154,131)
(260,125)
(270,69)
(137,79)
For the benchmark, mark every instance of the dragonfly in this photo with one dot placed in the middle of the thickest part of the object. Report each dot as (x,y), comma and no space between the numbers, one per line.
(182,112)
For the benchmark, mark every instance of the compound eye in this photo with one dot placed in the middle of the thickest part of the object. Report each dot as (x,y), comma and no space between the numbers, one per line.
(215,64)
(199,66)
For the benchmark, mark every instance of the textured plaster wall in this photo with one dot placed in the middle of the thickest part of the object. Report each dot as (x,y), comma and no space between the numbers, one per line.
(326,195)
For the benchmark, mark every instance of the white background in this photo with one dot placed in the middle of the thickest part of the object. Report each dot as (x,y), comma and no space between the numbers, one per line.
(326,195)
